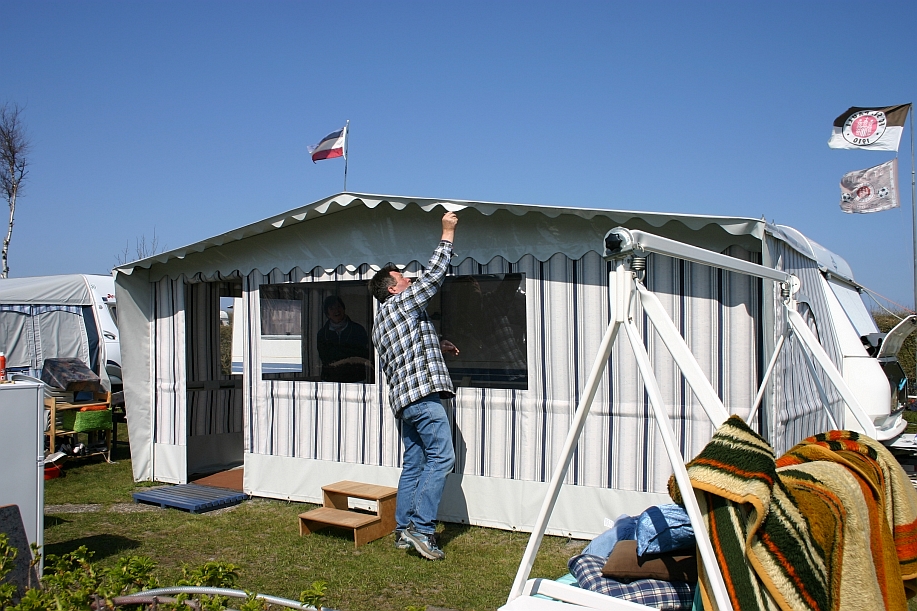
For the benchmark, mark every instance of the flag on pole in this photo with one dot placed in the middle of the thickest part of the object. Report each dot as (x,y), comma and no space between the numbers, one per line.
(874,129)
(333,145)
(871,190)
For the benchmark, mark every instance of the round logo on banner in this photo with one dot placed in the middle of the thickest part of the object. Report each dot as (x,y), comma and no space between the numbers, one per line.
(864,193)
(865,127)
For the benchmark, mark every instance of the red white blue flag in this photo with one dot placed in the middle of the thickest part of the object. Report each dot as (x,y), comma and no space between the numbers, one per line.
(333,145)
(873,129)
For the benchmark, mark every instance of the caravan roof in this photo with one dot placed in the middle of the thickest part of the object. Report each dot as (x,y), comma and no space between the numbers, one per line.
(71,289)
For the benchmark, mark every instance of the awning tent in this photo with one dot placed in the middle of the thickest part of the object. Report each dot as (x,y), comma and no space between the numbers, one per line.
(187,414)
(49,317)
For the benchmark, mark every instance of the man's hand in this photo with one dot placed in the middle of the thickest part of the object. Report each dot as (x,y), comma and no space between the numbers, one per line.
(448,347)
(449,223)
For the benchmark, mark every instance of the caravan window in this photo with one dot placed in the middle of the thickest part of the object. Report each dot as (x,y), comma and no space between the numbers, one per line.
(484,316)
(316,332)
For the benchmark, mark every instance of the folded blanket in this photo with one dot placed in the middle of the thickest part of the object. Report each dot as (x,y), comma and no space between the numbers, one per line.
(794,537)
(893,510)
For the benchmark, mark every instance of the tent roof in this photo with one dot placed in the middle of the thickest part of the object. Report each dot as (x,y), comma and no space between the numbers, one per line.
(70,289)
(556,229)
(826,260)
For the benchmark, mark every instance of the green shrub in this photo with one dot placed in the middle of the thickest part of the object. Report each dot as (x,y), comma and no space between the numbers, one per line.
(72,582)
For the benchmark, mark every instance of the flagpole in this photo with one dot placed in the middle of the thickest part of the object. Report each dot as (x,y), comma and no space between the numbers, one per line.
(914,207)
(347,137)
(914,212)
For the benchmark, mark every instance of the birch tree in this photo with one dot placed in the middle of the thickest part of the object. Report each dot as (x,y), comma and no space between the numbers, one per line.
(14,150)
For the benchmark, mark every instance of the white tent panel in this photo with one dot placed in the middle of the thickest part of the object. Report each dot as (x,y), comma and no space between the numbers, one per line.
(169,463)
(135,319)
(18,340)
(61,333)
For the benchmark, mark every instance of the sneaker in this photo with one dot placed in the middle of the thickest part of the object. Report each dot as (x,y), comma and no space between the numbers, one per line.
(400,541)
(425,544)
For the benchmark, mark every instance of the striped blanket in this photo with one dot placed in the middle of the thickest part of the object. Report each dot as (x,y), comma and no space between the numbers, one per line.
(830,526)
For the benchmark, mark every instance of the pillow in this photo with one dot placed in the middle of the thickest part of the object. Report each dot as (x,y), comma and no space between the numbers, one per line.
(94,408)
(668,595)
(625,565)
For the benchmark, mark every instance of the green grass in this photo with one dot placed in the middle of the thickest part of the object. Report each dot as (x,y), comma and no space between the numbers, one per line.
(262,537)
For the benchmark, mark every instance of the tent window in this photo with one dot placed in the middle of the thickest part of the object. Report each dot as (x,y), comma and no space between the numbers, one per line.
(853,306)
(808,315)
(484,316)
(316,332)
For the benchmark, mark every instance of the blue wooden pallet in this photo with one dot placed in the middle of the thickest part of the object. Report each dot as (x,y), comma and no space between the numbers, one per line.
(193,498)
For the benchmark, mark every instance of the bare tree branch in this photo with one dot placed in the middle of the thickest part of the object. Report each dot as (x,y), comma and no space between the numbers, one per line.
(142,249)
(14,150)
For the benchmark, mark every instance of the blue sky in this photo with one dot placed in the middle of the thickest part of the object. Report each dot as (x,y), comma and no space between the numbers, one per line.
(188,119)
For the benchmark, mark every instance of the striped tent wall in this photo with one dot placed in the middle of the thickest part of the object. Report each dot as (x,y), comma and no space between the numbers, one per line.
(207,412)
(797,403)
(170,402)
(518,434)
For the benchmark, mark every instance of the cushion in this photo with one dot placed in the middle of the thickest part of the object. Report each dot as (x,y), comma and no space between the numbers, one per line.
(82,422)
(98,407)
(625,565)
(666,595)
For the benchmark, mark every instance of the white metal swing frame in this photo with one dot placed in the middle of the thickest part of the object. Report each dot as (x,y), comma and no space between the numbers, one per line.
(623,246)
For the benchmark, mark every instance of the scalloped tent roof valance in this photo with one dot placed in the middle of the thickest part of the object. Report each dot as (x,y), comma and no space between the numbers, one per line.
(352,229)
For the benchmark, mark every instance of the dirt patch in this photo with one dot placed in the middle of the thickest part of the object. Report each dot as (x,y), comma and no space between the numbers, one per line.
(52,509)
(94,508)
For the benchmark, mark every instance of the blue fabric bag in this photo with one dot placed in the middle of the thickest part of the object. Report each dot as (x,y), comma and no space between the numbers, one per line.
(663,528)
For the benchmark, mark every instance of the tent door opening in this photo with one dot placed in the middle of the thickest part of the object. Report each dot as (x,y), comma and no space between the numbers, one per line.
(215,436)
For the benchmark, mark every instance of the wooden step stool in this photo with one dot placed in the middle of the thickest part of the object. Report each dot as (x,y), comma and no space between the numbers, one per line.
(336,511)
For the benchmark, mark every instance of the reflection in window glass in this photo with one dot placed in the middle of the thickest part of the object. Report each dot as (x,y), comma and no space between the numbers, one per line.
(316,332)
(230,294)
(484,316)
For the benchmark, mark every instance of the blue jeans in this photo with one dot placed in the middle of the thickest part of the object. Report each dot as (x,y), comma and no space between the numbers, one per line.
(428,457)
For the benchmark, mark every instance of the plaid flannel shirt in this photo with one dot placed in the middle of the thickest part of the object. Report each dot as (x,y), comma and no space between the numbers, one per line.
(406,340)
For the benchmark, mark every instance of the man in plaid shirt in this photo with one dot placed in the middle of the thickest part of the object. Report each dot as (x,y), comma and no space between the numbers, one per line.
(411,355)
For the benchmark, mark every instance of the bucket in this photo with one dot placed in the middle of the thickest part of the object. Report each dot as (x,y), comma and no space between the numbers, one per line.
(53,472)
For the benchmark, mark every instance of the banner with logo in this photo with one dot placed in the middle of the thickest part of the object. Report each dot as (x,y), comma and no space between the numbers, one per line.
(871,190)
(874,129)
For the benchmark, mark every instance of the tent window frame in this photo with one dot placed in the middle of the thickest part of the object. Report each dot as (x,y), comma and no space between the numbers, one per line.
(485,316)
(299,341)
